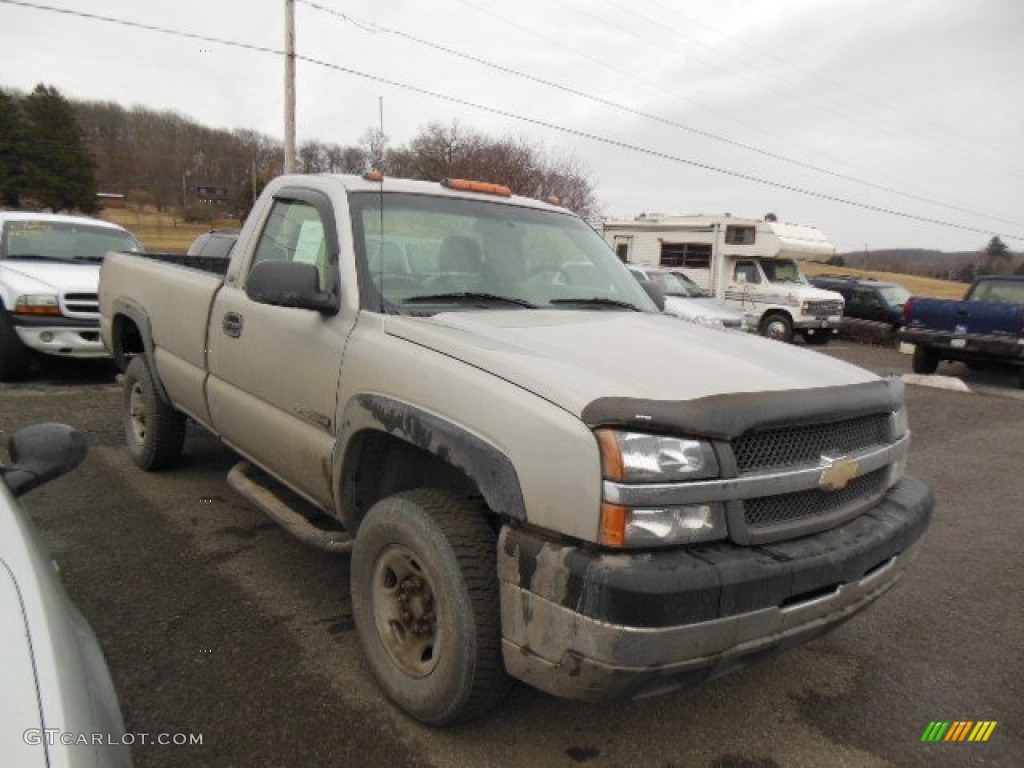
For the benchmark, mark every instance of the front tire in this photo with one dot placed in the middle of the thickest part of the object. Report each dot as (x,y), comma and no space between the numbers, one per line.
(925,360)
(154,430)
(14,356)
(777,326)
(425,602)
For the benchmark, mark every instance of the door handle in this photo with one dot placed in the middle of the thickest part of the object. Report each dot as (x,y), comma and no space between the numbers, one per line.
(232,324)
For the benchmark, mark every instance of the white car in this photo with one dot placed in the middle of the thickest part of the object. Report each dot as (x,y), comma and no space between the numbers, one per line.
(58,706)
(687,300)
(49,285)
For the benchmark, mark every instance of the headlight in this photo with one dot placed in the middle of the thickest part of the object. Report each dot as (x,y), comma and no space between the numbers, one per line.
(660,527)
(635,457)
(709,322)
(37,304)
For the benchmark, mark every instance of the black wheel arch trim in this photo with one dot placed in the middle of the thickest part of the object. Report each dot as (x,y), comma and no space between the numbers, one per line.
(491,470)
(137,315)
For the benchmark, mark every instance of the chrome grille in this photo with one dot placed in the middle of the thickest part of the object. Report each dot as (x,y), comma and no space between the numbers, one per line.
(788,507)
(82,303)
(825,308)
(789,446)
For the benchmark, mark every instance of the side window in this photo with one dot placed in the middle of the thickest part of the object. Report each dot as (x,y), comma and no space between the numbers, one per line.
(748,270)
(294,232)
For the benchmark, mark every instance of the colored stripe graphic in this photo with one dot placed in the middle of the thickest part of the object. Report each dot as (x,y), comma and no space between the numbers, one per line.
(958,730)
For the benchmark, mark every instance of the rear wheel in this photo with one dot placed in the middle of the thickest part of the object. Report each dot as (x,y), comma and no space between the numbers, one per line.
(154,430)
(425,602)
(925,360)
(14,356)
(777,326)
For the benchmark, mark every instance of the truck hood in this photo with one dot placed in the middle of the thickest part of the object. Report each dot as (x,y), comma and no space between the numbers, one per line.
(23,276)
(573,358)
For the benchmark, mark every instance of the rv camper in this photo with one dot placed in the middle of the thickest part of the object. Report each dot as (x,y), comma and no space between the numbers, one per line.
(751,264)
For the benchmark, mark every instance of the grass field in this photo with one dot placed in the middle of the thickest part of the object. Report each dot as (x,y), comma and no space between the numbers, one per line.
(919,286)
(164,233)
(160,232)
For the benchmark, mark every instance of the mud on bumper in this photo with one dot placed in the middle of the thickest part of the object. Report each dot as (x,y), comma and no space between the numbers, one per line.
(589,624)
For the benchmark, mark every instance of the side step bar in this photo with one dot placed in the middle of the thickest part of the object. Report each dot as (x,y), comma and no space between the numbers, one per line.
(271,497)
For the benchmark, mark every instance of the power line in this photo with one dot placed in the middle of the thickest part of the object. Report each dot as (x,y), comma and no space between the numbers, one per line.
(522,118)
(373,27)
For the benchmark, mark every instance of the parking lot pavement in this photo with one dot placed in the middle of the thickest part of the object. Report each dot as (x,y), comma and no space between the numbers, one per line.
(215,622)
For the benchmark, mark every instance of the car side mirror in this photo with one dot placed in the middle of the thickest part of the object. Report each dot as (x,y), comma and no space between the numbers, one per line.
(290,284)
(41,453)
(656,292)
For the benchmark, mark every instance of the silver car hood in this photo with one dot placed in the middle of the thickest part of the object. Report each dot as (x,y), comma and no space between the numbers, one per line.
(573,358)
(706,307)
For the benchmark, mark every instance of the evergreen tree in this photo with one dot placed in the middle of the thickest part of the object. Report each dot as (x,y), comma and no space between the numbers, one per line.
(60,171)
(12,148)
(998,258)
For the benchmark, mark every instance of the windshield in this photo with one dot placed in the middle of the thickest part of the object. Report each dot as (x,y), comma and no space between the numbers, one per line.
(423,254)
(894,295)
(678,284)
(63,241)
(782,271)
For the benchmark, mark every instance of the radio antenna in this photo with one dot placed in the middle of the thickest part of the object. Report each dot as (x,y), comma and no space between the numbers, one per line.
(380,206)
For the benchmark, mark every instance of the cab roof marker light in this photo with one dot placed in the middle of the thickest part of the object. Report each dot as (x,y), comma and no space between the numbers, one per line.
(486,188)
(373,176)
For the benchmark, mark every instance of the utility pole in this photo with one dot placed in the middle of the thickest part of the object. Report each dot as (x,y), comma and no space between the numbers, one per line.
(289,86)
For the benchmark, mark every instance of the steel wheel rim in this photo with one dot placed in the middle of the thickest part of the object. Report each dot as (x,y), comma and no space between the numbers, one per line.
(404,611)
(776,329)
(137,413)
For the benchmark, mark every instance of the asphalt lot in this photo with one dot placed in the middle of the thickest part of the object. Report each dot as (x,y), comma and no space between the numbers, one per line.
(215,622)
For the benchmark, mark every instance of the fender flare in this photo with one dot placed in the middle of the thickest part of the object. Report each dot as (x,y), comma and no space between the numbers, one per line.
(134,312)
(485,464)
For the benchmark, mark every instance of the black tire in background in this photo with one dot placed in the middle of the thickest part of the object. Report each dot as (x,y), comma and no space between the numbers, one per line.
(925,360)
(15,358)
(818,338)
(154,431)
(426,606)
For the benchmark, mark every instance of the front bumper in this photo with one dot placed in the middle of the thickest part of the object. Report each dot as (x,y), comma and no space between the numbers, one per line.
(830,324)
(593,624)
(61,336)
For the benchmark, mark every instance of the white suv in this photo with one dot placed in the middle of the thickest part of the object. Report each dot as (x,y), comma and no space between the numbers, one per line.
(49,281)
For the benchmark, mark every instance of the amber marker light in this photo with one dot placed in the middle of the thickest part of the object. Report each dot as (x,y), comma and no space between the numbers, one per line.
(486,188)
(611,455)
(612,532)
(36,305)
(373,176)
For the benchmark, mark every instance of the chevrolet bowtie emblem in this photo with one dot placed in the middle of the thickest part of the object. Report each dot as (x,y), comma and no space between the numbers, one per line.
(837,473)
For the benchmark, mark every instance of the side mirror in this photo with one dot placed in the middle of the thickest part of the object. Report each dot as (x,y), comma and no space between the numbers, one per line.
(656,293)
(290,284)
(41,453)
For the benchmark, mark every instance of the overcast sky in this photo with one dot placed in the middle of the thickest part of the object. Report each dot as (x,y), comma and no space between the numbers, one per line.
(914,106)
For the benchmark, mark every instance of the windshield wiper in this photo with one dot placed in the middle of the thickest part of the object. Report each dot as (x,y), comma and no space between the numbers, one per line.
(601,301)
(34,257)
(468,296)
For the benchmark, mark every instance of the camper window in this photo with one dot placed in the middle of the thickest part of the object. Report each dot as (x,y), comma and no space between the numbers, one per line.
(739,235)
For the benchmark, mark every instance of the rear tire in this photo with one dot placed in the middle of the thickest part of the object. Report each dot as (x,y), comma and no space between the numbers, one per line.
(154,430)
(425,601)
(14,356)
(925,360)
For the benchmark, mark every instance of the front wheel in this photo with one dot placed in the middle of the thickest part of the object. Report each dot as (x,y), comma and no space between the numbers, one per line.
(153,429)
(777,326)
(925,360)
(425,601)
(14,356)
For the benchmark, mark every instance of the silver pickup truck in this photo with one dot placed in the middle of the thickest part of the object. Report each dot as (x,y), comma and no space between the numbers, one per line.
(536,474)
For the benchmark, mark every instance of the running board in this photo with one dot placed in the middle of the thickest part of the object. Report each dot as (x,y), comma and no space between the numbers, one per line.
(281,505)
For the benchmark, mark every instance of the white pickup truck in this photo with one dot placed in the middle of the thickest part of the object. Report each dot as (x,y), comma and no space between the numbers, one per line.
(536,474)
(49,273)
